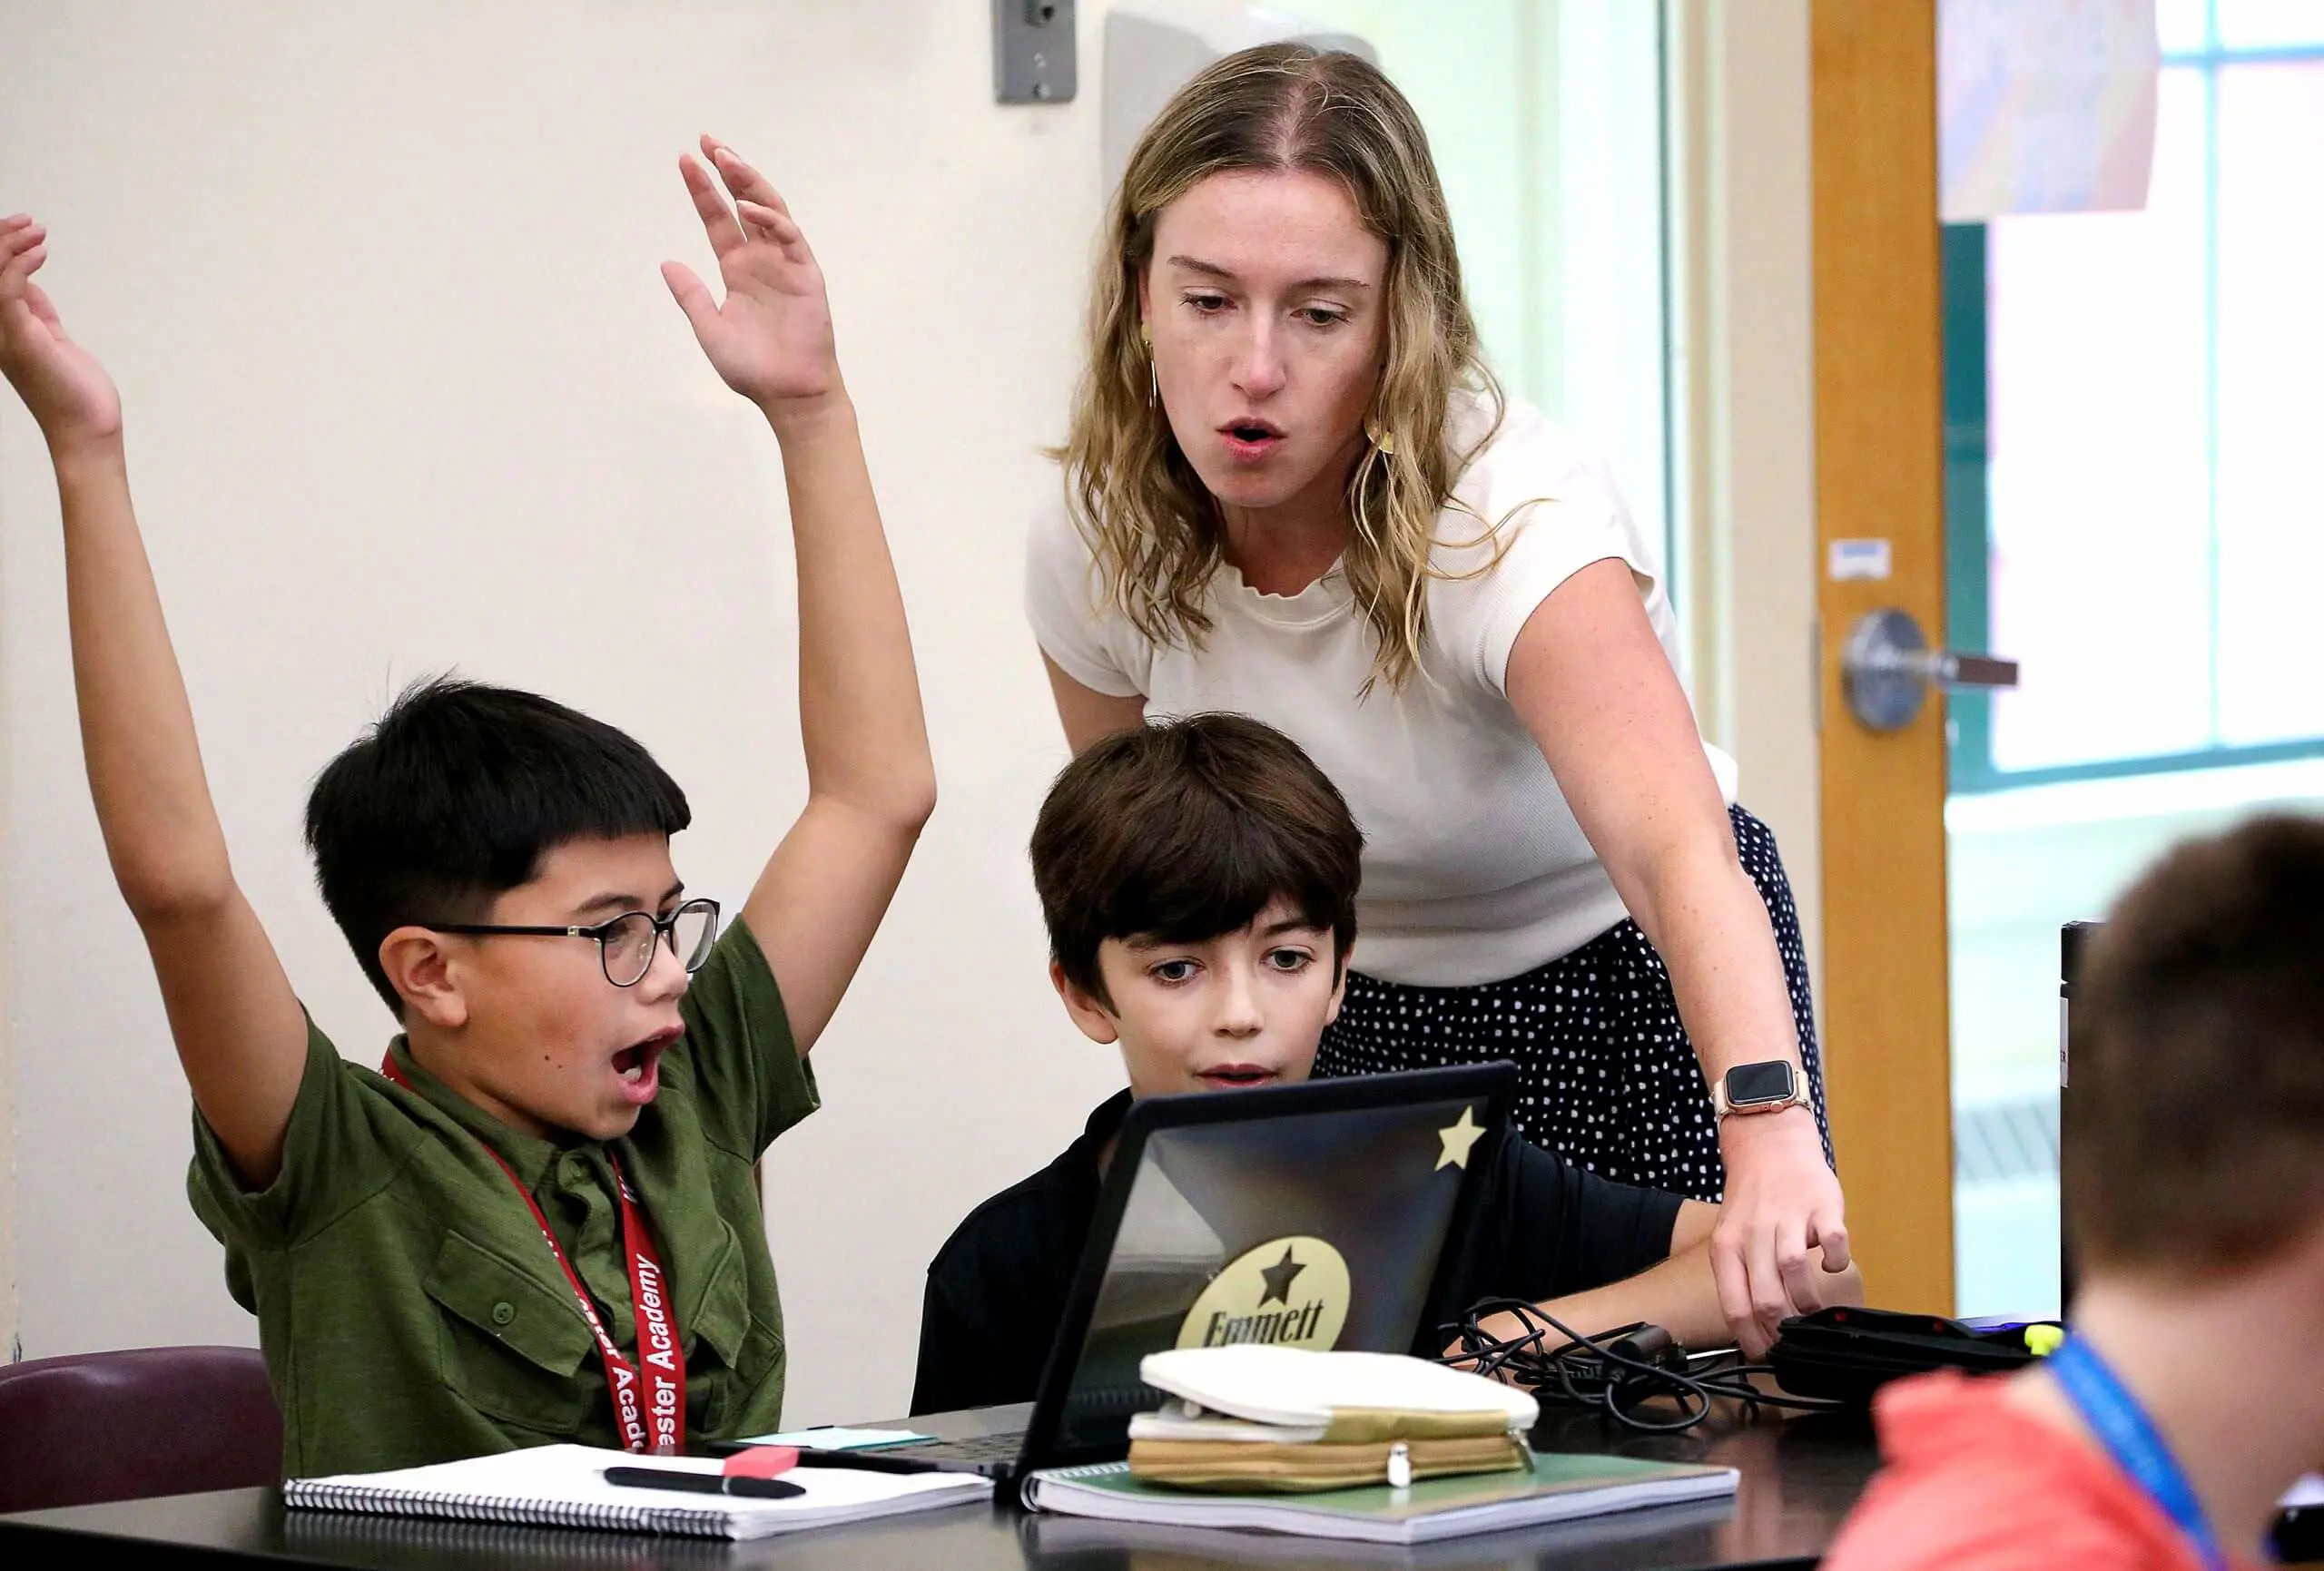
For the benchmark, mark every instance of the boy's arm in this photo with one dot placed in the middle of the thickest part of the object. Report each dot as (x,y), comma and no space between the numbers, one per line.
(871,783)
(238,1026)
(1681,1296)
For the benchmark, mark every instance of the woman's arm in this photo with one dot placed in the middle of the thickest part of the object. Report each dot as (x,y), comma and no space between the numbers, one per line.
(1089,714)
(1593,684)
(870,785)
(1682,1295)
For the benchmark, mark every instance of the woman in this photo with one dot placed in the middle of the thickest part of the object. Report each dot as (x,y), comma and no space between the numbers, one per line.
(1295,491)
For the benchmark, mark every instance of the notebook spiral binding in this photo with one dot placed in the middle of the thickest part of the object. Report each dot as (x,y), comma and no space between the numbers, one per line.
(1030,1488)
(314,1495)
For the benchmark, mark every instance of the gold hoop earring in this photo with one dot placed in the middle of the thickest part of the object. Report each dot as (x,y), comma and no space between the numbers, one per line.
(1153,373)
(1380,436)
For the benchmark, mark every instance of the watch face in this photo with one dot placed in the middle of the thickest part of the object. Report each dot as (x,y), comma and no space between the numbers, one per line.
(1753,1083)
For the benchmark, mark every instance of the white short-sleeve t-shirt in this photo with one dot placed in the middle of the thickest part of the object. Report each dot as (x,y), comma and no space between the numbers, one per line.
(1474,869)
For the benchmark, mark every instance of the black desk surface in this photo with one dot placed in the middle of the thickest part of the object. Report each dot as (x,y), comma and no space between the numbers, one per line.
(1799,1477)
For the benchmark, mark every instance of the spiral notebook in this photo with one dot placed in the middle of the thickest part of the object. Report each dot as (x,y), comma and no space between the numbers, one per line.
(565,1486)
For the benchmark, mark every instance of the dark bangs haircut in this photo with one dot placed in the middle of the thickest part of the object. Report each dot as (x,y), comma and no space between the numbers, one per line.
(456,795)
(2197,1116)
(1186,829)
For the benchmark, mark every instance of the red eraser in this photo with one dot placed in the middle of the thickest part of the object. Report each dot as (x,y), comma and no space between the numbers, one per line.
(762,1462)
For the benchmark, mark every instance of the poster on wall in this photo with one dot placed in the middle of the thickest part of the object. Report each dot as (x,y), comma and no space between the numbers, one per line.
(2045,108)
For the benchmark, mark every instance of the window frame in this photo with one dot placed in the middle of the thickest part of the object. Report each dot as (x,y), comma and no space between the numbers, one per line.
(1968,535)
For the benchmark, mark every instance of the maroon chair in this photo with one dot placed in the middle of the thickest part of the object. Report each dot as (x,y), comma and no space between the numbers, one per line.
(117,1426)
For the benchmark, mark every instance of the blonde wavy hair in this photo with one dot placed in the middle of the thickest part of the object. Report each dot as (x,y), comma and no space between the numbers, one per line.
(1154,527)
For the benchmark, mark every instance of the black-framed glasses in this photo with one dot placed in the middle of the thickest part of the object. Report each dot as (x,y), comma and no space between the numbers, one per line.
(625,943)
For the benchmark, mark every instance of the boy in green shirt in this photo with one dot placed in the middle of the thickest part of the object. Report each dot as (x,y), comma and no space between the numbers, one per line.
(538,1222)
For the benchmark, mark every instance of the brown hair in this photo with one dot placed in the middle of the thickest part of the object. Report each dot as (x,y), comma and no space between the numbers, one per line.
(2196,1114)
(1154,529)
(1182,830)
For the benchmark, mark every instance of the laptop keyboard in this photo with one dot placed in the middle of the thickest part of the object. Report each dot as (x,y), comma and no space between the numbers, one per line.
(983,1449)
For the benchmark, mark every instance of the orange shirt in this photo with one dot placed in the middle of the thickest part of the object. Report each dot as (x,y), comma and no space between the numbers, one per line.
(1972,1484)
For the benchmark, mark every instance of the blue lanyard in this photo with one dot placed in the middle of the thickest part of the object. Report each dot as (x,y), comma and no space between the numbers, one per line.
(2128,1435)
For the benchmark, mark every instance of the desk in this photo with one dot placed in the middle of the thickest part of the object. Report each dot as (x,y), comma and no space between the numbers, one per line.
(1799,1477)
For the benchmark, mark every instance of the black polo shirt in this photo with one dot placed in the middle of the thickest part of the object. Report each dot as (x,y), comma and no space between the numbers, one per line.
(1542,1228)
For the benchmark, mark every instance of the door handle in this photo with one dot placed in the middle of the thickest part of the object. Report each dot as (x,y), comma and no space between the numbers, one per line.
(1886,669)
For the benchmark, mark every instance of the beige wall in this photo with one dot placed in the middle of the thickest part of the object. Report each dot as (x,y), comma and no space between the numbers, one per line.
(405,392)
(7,1045)
(1742,313)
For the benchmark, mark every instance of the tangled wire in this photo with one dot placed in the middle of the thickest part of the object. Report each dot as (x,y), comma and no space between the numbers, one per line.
(1634,1374)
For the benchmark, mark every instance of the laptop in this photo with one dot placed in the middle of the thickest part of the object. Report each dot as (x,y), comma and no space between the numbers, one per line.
(1310,1215)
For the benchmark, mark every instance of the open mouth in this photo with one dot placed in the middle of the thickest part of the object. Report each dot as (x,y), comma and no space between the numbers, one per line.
(638,1063)
(1250,439)
(1236,1077)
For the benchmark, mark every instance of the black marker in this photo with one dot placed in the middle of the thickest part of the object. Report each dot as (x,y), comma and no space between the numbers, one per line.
(702,1483)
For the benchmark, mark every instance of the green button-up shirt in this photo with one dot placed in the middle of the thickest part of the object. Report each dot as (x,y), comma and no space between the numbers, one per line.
(410,1311)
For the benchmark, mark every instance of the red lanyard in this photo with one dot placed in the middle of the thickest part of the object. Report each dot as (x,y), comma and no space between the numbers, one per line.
(655,1419)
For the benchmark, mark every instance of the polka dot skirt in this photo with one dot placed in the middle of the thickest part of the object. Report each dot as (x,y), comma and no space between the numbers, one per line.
(1606,1076)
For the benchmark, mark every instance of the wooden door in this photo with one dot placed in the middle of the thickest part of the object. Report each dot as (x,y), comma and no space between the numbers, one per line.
(1880,475)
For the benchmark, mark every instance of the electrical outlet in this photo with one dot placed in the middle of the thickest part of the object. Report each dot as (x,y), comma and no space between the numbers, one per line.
(1032,51)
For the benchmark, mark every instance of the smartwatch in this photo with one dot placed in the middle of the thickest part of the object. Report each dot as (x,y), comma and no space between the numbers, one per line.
(1770,1086)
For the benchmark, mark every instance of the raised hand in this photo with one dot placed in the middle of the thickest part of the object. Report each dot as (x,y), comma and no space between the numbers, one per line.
(68,393)
(770,338)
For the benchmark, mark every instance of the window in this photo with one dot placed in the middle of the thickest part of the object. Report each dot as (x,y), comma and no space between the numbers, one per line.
(2132,405)
(1545,120)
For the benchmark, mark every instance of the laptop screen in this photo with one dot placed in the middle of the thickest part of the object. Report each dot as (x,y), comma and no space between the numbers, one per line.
(1318,1230)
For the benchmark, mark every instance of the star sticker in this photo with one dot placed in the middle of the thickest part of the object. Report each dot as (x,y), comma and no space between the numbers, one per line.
(1278,1278)
(1458,1136)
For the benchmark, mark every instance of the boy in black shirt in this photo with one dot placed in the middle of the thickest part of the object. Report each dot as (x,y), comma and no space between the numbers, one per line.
(1198,878)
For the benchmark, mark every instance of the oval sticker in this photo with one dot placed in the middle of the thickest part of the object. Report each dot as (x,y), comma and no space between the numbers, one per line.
(1289,1293)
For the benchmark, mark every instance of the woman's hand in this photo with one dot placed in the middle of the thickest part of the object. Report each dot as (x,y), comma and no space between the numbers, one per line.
(68,393)
(1590,680)
(1780,1247)
(771,338)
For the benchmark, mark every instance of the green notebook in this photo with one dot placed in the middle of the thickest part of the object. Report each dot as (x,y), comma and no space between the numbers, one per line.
(1559,1487)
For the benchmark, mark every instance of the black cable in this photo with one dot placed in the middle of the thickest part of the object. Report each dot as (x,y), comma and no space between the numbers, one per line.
(1617,1372)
